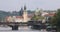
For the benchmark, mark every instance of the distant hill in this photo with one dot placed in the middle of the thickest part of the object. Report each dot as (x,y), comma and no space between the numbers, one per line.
(29,11)
(3,14)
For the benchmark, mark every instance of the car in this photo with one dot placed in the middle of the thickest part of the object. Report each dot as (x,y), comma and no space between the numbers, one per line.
(37,27)
(30,23)
(49,28)
(47,24)
(54,28)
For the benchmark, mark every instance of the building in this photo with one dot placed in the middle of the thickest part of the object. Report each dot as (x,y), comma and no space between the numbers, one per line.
(23,17)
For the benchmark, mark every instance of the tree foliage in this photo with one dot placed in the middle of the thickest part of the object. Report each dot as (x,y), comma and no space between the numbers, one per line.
(36,17)
(56,19)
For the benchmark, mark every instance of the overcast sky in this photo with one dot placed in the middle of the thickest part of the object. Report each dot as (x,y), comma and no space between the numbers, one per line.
(15,5)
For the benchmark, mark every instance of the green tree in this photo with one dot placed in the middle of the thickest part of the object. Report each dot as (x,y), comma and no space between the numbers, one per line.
(56,19)
(37,17)
(53,20)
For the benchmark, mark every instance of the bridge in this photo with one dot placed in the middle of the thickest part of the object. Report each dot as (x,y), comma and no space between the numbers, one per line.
(14,25)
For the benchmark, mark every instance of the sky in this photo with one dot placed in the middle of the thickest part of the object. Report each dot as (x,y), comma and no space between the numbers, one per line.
(15,5)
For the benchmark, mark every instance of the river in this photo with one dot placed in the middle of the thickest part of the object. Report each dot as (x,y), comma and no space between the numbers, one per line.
(21,29)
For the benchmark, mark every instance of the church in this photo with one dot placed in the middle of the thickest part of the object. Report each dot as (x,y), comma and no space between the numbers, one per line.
(23,16)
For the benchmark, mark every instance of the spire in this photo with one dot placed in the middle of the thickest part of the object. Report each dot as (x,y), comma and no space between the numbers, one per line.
(24,7)
(21,12)
(21,9)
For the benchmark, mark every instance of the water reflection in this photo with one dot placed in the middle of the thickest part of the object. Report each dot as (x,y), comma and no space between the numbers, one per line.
(21,29)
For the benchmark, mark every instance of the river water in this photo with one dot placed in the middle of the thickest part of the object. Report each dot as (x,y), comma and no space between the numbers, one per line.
(21,29)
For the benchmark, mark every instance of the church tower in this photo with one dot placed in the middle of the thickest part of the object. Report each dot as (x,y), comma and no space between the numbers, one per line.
(25,16)
(21,12)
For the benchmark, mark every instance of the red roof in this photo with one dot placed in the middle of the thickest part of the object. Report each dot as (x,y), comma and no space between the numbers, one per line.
(50,14)
(19,16)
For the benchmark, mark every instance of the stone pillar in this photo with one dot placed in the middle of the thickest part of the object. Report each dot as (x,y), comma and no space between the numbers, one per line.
(15,27)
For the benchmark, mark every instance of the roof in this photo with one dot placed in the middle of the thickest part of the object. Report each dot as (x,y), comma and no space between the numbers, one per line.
(50,14)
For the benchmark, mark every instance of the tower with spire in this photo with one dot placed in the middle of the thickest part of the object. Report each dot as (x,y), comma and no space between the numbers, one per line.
(25,16)
(21,12)
(24,7)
